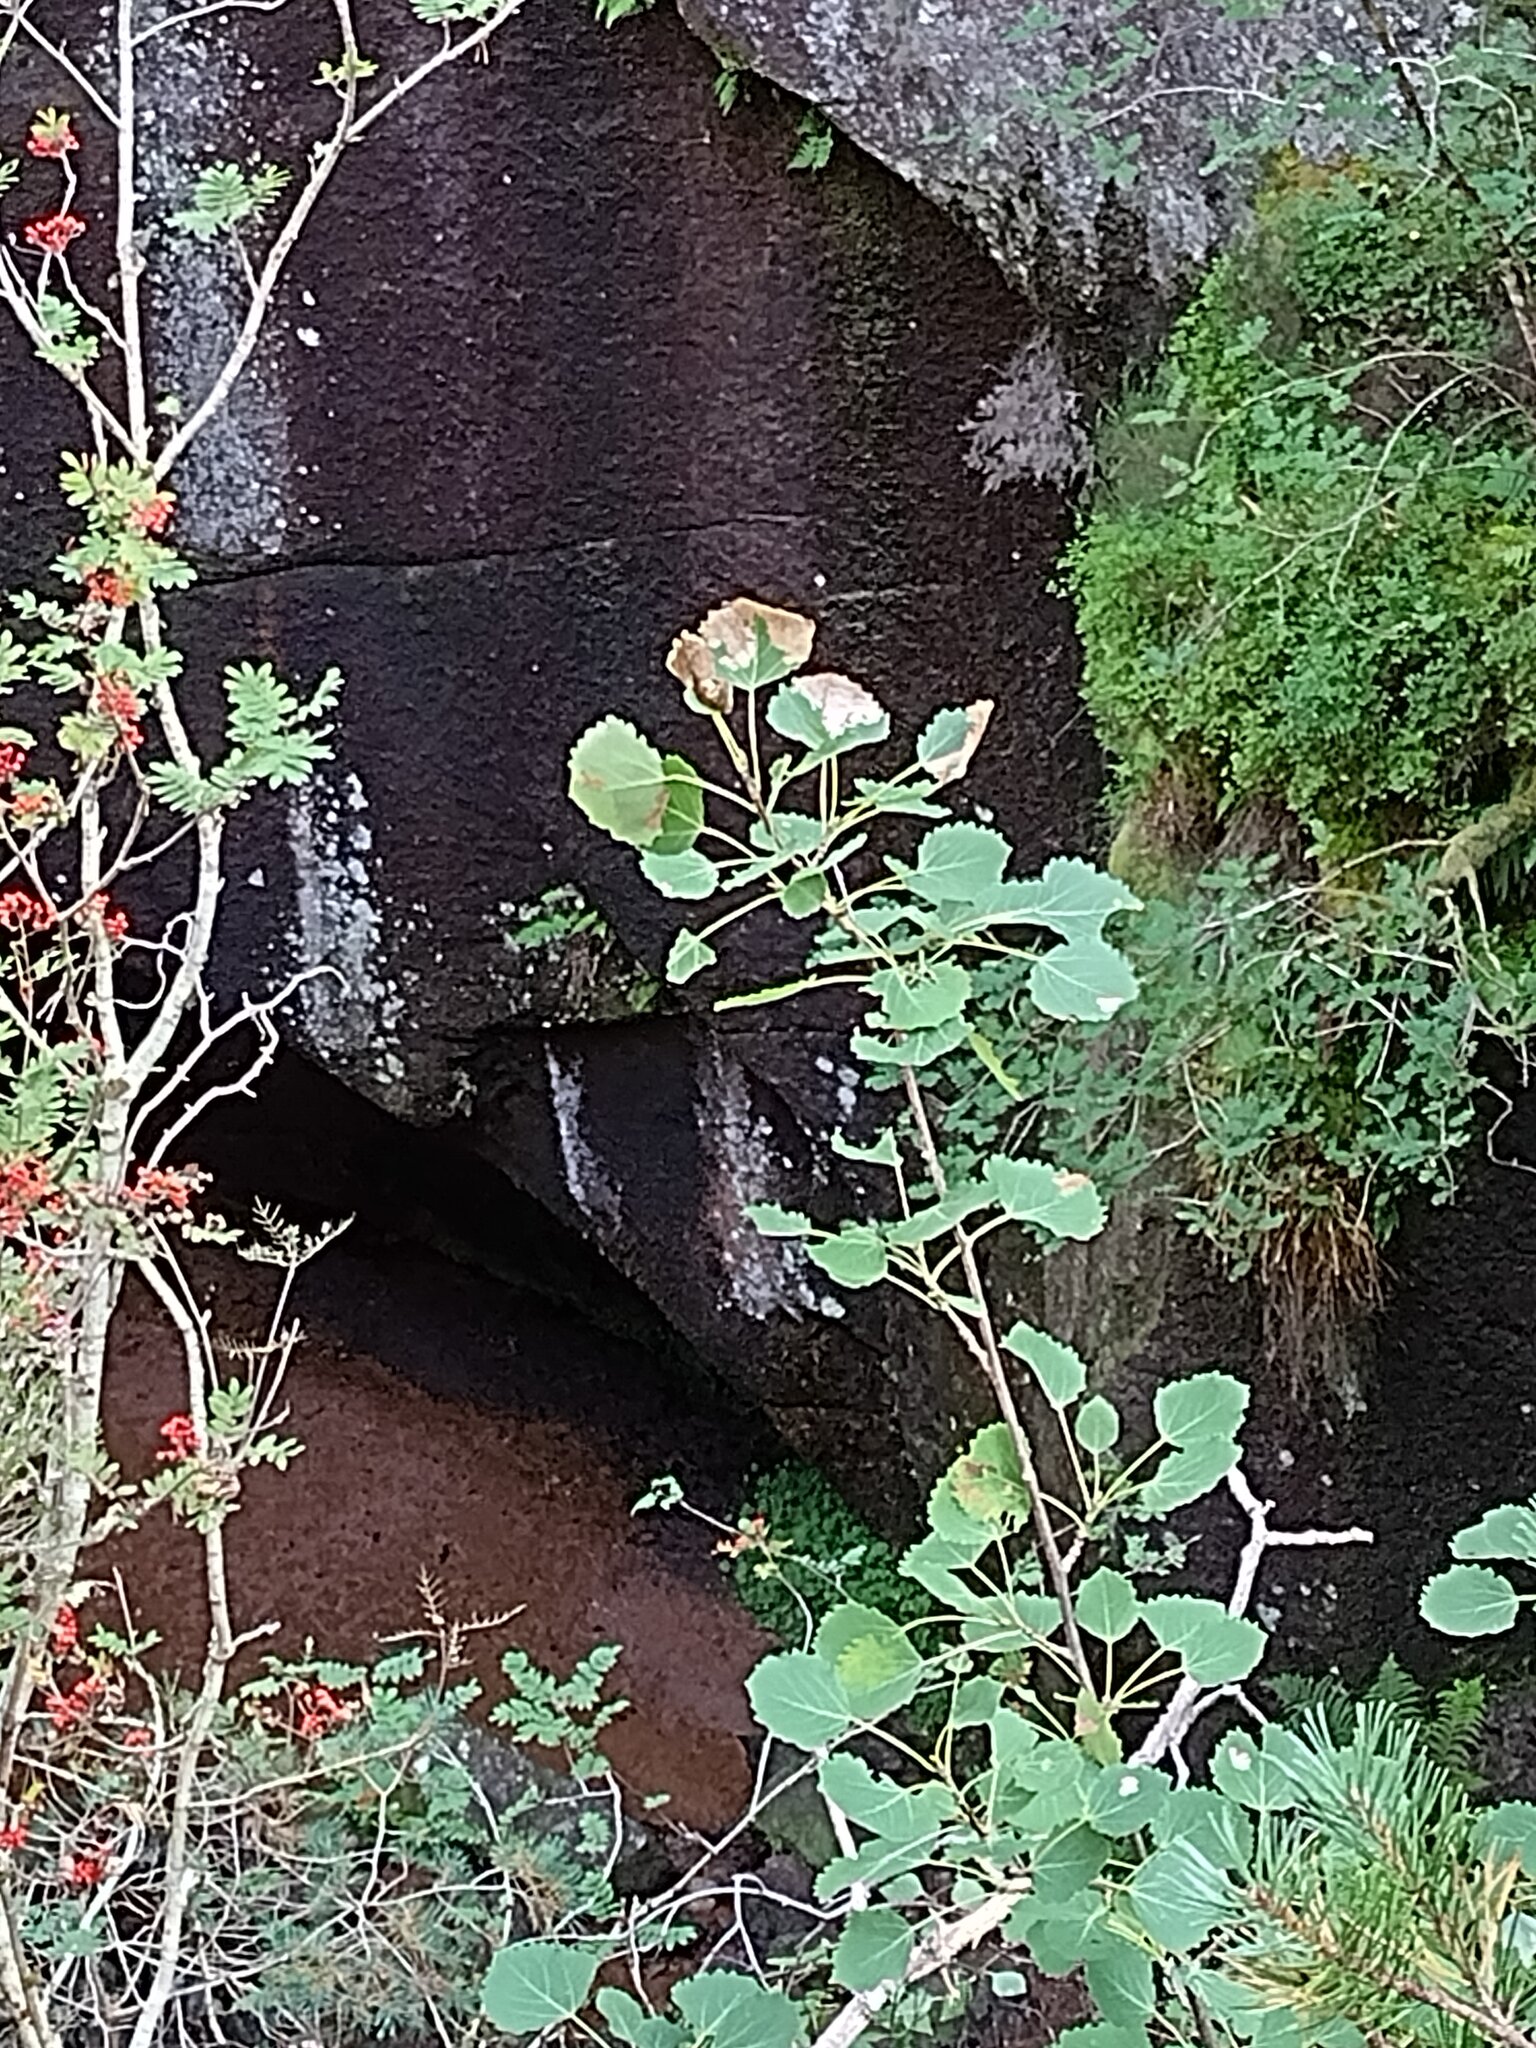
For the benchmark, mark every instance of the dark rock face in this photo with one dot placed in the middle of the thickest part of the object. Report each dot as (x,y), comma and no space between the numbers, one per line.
(563,361)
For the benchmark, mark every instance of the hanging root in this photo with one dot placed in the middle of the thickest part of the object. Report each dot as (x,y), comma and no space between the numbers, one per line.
(1321,1280)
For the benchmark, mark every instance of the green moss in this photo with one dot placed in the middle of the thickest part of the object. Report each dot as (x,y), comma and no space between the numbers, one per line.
(1305,577)
(833,1554)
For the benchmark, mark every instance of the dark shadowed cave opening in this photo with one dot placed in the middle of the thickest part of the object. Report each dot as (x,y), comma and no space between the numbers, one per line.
(482,1398)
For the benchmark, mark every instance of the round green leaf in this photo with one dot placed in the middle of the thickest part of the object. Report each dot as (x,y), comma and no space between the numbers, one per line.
(1180,1896)
(1508,1531)
(1107,1606)
(1217,1648)
(1185,1475)
(683,819)
(537,1984)
(1028,1191)
(873,1946)
(690,876)
(1061,1373)
(774,1221)
(729,2009)
(689,954)
(1469,1600)
(1509,1830)
(800,1699)
(872,1656)
(1210,1404)
(804,895)
(917,1001)
(1126,1798)
(1120,1981)
(1070,898)
(958,863)
(620,781)
(1240,1768)
(1085,981)
(1069,1864)
(1097,1426)
(856,1257)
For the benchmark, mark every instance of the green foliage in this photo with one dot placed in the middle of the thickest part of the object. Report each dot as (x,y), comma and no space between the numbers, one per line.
(1299,1059)
(62,342)
(813,148)
(1449,1720)
(275,737)
(560,913)
(1302,587)
(562,1714)
(1330,1882)
(1303,575)
(1471,1598)
(353,1876)
(611,12)
(225,194)
(812,1551)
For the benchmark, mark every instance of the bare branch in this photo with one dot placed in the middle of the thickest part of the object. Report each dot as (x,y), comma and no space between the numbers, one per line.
(20,13)
(1189,1698)
(446,55)
(173,21)
(938,1947)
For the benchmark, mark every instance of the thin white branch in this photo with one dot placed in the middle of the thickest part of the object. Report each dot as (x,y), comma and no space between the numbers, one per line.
(171,21)
(259,1015)
(20,13)
(939,1946)
(323,163)
(15,294)
(446,55)
(1189,1698)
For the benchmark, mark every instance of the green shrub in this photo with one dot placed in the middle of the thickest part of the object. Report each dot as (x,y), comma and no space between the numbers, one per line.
(1297,1063)
(832,1554)
(1304,578)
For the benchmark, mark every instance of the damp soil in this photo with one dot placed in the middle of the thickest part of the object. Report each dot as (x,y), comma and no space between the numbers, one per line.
(459,1427)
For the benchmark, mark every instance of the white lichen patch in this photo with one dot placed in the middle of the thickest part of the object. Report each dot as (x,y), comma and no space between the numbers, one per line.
(1027,428)
(587,1180)
(232,482)
(741,1165)
(351,1008)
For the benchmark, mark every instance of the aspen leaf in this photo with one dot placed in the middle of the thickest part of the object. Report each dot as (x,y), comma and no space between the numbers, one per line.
(950,739)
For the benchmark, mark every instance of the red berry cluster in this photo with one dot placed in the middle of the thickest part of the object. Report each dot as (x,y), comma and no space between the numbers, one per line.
(117,700)
(317,1711)
(152,515)
(64,1637)
(26,1185)
(12,760)
(20,912)
(174,1186)
(181,1439)
(54,232)
(105,586)
(68,1709)
(114,921)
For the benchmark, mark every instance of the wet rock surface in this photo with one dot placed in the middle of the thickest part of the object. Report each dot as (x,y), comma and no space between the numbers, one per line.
(566,360)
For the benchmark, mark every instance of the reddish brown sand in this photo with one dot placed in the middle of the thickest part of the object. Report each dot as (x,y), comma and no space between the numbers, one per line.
(509,1476)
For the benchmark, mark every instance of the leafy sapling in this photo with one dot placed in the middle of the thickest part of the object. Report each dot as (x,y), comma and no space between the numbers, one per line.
(1052,1812)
